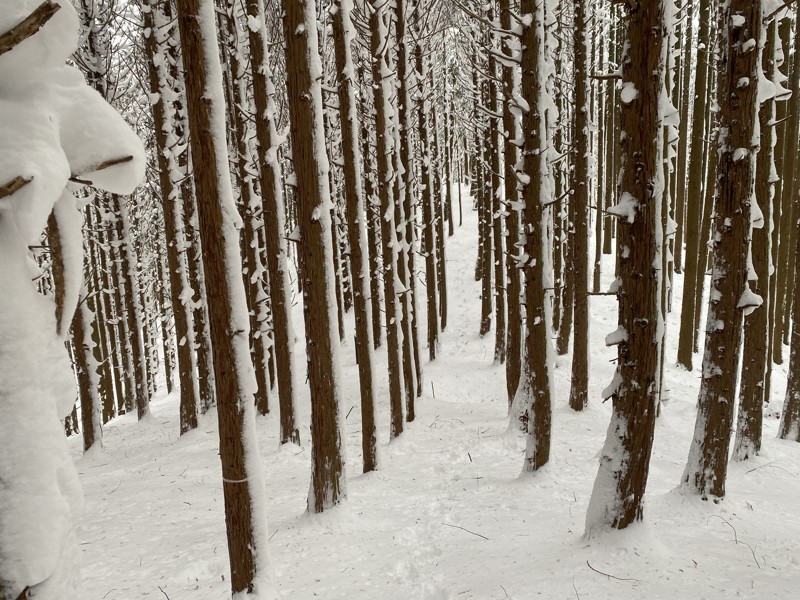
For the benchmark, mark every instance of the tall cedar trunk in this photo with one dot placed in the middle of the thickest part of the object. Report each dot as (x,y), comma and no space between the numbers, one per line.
(133,310)
(372,219)
(248,201)
(448,165)
(438,218)
(789,193)
(683,134)
(535,407)
(313,213)
(274,220)
(579,253)
(495,147)
(511,206)
(756,326)
(484,212)
(351,154)
(170,199)
(404,211)
(234,377)
(616,499)
(739,69)
(427,198)
(384,148)
(695,189)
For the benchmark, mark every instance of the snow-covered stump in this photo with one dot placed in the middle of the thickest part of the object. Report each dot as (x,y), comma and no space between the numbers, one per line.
(54,129)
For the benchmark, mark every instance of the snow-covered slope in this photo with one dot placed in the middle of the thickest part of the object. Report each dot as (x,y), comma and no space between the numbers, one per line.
(448,515)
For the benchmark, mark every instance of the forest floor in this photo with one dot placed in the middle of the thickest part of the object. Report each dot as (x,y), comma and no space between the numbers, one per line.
(448,515)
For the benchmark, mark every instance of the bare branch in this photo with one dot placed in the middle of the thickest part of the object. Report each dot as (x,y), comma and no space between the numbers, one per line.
(28,26)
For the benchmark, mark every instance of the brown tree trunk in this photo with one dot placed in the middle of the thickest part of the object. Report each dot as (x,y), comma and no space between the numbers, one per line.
(234,377)
(354,197)
(616,499)
(579,253)
(696,191)
(708,456)
(383,135)
(533,396)
(274,221)
(313,213)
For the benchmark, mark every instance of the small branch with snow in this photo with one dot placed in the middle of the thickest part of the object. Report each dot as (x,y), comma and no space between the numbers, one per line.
(28,26)
(12,186)
(99,167)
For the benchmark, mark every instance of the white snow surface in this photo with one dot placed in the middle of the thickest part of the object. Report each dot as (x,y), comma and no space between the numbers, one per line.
(154,519)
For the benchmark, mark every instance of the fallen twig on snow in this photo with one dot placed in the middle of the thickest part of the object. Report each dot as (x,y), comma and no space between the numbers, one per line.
(465,529)
(611,576)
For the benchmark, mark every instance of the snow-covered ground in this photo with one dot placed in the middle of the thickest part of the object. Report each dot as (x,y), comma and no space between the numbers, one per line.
(448,515)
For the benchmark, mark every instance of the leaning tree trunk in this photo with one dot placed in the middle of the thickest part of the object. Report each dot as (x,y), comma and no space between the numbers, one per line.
(227,307)
(616,500)
(730,296)
(313,199)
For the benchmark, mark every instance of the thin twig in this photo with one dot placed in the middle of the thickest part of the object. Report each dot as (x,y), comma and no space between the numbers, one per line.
(611,576)
(464,529)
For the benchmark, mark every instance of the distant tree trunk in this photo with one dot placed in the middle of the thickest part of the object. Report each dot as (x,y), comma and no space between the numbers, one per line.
(274,220)
(756,326)
(616,499)
(234,377)
(740,69)
(684,132)
(696,192)
(579,253)
(438,219)
(511,205)
(161,89)
(534,395)
(485,214)
(138,375)
(427,198)
(351,153)
(313,201)
(384,142)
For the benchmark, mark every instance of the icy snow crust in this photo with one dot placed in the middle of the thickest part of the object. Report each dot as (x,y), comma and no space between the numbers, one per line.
(154,504)
(52,126)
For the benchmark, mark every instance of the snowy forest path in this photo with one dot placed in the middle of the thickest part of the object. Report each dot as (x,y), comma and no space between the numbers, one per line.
(447,515)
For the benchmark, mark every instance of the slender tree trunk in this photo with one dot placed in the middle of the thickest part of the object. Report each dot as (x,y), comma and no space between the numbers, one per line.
(384,142)
(579,253)
(234,377)
(274,221)
(351,152)
(534,395)
(695,189)
(313,211)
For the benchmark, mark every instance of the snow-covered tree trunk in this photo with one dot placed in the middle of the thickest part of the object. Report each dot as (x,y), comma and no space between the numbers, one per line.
(618,491)
(243,492)
(427,197)
(533,402)
(274,219)
(304,86)
(579,202)
(162,109)
(511,201)
(756,326)
(730,296)
(384,138)
(343,35)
